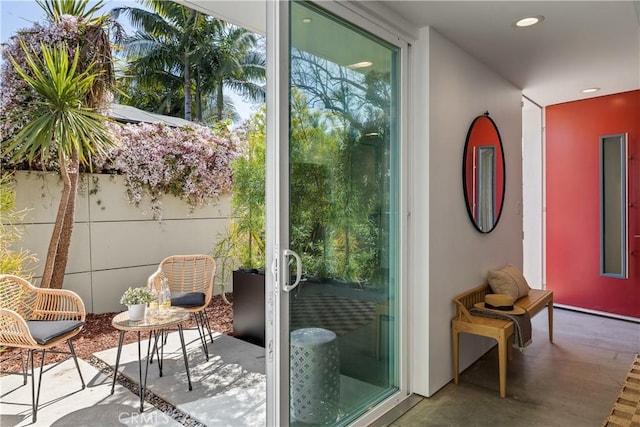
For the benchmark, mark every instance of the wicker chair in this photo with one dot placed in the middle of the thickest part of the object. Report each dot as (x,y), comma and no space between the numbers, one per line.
(190,279)
(38,319)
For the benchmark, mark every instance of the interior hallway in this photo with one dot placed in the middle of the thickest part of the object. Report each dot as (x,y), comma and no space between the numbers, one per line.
(572,382)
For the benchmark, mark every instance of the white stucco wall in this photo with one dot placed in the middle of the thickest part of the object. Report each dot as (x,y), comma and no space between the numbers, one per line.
(532,194)
(448,255)
(114,244)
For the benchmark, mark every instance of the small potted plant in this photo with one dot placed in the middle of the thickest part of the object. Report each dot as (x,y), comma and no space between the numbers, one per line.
(136,300)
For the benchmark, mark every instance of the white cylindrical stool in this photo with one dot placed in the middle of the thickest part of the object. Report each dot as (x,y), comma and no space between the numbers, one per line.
(315,376)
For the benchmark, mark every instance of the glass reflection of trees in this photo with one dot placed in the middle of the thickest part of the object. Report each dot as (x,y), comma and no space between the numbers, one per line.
(340,146)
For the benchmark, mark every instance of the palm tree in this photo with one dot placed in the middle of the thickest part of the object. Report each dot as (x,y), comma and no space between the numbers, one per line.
(149,90)
(165,42)
(71,82)
(206,54)
(235,64)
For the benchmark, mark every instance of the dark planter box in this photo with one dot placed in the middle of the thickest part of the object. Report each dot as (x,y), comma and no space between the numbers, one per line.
(248,306)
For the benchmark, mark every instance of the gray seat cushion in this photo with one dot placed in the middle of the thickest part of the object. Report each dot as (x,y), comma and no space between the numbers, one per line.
(190,299)
(45,331)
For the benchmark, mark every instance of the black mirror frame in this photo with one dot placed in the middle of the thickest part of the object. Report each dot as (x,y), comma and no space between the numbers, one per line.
(464,174)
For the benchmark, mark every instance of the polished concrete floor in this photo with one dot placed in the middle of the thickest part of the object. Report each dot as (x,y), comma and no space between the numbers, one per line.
(572,382)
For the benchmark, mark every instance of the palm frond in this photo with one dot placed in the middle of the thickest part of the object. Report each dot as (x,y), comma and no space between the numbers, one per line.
(60,118)
(56,8)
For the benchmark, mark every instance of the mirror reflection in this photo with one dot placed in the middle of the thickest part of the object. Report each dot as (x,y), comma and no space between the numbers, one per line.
(483,173)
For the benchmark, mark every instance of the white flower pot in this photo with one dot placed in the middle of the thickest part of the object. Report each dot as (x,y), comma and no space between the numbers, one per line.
(136,312)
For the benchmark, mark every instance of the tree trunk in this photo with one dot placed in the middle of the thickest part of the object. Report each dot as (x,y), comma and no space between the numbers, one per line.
(198,97)
(187,87)
(62,254)
(49,265)
(190,28)
(219,100)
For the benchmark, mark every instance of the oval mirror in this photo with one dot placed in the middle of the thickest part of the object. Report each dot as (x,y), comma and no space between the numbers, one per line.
(483,173)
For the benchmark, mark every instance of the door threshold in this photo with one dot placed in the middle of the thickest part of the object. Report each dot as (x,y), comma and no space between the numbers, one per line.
(397,411)
(597,313)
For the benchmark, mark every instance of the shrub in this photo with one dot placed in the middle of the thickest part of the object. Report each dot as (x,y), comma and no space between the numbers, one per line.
(12,261)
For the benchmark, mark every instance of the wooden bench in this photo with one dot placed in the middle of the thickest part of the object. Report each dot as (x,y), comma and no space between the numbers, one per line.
(500,330)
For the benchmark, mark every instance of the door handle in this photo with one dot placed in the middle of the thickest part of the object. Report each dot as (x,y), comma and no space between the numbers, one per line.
(286,286)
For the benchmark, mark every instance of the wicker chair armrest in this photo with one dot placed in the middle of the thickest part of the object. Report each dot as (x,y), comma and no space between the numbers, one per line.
(17,279)
(14,331)
(58,304)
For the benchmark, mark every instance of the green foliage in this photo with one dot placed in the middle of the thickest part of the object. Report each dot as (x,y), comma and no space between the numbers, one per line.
(17,262)
(164,95)
(180,59)
(80,8)
(334,195)
(60,121)
(243,244)
(334,213)
(355,112)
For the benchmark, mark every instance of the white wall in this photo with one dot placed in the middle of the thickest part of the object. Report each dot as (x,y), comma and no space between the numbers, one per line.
(114,244)
(532,194)
(449,255)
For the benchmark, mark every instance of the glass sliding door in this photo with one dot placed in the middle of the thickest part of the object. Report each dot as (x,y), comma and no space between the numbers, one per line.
(342,219)
(333,216)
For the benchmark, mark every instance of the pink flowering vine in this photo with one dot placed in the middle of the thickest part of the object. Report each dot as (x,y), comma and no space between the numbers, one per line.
(192,163)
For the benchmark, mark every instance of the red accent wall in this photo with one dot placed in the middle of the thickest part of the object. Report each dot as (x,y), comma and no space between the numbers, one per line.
(573,132)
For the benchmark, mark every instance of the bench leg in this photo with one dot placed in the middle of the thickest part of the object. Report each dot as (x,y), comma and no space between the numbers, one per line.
(502,362)
(550,312)
(456,343)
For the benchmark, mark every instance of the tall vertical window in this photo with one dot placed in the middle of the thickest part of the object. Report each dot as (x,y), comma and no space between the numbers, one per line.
(613,206)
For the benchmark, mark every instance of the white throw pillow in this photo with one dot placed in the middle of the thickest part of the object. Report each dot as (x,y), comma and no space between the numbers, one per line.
(509,281)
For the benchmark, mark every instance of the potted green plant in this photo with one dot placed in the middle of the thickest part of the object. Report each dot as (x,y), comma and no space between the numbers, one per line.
(240,251)
(136,300)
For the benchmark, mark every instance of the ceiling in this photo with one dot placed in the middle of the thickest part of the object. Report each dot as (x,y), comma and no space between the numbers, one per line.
(579,44)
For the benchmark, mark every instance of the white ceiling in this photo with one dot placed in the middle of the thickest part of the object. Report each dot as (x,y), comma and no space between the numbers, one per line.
(579,44)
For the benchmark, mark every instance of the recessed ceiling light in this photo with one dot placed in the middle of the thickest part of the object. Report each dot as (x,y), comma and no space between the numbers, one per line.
(590,90)
(306,20)
(363,64)
(528,21)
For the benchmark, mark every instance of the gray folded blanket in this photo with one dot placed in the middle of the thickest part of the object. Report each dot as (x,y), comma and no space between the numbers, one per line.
(522,324)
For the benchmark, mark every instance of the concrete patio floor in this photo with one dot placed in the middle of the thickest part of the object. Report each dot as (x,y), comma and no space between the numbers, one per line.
(573,381)
(228,390)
